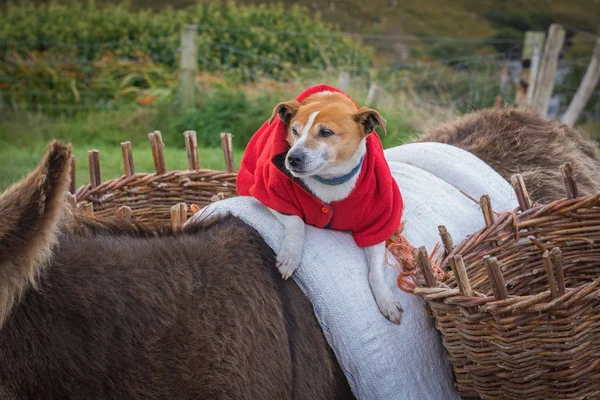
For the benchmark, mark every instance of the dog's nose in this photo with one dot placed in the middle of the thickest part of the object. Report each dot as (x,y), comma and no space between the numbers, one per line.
(294,159)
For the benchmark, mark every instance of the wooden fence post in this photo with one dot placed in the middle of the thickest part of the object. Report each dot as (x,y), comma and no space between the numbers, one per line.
(583,94)
(544,84)
(529,66)
(343,82)
(535,67)
(374,95)
(189,65)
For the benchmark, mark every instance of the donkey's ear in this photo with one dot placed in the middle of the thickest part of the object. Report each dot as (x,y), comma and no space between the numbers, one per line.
(30,212)
(286,111)
(369,119)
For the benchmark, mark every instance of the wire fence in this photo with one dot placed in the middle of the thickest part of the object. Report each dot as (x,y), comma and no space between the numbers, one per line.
(98,76)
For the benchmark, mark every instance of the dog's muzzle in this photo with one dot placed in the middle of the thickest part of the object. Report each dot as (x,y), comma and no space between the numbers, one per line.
(295,159)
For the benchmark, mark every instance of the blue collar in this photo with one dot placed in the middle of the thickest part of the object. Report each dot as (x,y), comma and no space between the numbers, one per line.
(338,180)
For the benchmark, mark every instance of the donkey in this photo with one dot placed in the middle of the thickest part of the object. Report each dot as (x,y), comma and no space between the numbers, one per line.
(99,309)
(514,141)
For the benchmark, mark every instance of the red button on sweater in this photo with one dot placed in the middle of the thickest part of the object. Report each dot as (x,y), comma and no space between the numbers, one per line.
(372,211)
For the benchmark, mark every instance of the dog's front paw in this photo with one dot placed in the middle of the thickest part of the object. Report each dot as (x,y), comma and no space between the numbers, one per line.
(390,309)
(288,260)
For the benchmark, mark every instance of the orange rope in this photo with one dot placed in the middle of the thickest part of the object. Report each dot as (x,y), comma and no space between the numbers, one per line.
(437,271)
(402,250)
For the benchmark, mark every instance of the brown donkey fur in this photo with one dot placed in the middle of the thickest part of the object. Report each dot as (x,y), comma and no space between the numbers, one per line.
(125,312)
(513,141)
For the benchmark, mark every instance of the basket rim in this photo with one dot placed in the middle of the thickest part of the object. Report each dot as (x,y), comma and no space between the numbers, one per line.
(514,303)
(131,178)
(147,178)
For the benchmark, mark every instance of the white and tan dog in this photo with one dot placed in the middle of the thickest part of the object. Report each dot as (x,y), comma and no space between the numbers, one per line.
(320,163)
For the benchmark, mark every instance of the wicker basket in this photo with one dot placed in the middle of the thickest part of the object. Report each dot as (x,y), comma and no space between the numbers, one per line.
(519,309)
(153,198)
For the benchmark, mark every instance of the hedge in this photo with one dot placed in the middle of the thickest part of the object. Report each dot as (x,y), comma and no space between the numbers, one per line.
(246,41)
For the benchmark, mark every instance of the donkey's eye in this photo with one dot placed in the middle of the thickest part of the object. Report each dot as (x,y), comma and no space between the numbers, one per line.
(294,131)
(325,133)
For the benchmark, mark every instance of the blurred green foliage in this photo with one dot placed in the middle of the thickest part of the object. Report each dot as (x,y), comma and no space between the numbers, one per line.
(56,82)
(250,41)
(61,58)
(231,110)
(226,110)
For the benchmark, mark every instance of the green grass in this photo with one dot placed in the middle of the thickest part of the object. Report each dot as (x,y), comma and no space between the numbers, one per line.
(18,161)
(23,141)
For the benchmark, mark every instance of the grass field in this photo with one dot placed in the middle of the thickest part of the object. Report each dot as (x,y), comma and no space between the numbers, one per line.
(23,141)
(24,137)
(22,145)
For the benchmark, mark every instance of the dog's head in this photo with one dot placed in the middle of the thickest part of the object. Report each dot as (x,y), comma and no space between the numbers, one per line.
(324,130)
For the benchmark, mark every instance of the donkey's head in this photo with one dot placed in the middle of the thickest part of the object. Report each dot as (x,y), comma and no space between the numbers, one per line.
(29,214)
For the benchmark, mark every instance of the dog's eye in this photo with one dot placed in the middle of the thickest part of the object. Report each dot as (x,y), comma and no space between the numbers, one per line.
(294,131)
(325,133)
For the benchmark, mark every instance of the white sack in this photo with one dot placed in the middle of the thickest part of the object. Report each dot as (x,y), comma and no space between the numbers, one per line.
(459,168)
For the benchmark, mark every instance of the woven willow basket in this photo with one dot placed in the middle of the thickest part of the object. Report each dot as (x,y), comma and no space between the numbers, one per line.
(519,308)
(159,197)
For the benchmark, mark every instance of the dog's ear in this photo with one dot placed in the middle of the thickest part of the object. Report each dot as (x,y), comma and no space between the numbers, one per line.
(286,111)
(370,119)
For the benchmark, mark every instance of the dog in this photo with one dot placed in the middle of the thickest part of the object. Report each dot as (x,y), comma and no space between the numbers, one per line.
(318,161)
